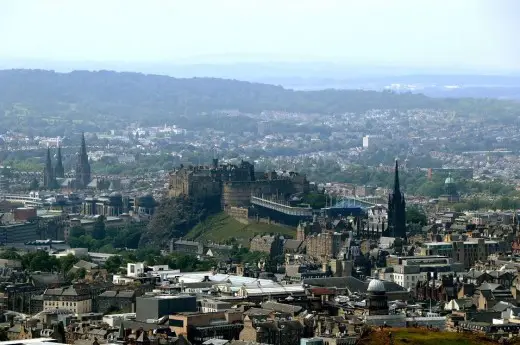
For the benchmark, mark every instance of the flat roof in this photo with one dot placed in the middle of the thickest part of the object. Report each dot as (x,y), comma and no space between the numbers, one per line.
(450,243)
(30,341)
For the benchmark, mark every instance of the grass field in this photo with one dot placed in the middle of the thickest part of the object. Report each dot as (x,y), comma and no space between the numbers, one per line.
(420,336)
(221,228)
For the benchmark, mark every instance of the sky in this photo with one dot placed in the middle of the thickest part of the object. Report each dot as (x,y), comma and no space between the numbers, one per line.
(477,33)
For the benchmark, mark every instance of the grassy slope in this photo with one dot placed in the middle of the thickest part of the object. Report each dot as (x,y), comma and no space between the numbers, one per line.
(221,228)
(419,336)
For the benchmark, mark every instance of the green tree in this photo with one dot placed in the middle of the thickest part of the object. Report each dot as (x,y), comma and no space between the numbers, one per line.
(67,262)
(34,185)
(113,264)
(315,200)
(99,231)
(10,254)
(40,260)
(77,231)
(80,274)
(414,215)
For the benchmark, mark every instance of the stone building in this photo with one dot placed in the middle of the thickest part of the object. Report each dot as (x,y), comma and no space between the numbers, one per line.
(74,298)
(325,245)
(304,229)
(272,245)
(20,296)
(200,327)
(233,184)
(276,332)
(120,301)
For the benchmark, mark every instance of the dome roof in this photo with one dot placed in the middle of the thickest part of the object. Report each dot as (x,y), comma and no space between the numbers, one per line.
(449,180)
(376,285)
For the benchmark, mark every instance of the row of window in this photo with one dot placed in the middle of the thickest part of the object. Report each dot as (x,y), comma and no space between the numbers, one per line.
(57,304)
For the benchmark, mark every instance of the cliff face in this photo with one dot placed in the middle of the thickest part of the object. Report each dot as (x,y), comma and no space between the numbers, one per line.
(175,217)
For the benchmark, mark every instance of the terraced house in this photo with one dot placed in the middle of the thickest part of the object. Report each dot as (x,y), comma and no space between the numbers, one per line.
(74,298)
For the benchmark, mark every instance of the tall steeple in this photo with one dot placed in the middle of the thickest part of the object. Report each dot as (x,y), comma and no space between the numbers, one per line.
(83,150)
(396,209)
(59,171)
(82,166)
(397,187)
(48,172)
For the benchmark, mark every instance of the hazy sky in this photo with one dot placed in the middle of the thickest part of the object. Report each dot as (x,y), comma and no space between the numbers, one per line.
(417,32)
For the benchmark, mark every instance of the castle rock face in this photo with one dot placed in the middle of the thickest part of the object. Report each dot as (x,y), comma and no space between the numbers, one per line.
(233,184)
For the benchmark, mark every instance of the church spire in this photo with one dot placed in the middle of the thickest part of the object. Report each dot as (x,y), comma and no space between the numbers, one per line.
(59,171)
(82,166)
(83,150)
(48,173)
(396,209)
(397,189)
(48,163)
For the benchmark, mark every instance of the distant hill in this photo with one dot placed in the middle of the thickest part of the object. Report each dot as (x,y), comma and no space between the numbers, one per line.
(38,98)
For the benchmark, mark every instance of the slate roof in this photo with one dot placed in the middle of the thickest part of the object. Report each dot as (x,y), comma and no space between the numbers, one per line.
(46,279)
(464,303)
(473,274)
(66,291)
(350,283)
(281,307)
(502,306)
(118,294)
(292,244)
(257,312)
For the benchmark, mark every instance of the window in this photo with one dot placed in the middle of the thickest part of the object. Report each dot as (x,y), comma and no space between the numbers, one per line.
(176,323)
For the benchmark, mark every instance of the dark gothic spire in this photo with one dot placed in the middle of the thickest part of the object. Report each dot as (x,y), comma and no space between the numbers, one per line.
(59,171)
(48,163)
(121,335)
(397,189)
(83,150)
(396,209)
(82,166)
(48,172)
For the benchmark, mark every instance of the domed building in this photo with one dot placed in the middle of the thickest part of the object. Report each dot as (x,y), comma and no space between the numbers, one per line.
(450,190)
(377,300)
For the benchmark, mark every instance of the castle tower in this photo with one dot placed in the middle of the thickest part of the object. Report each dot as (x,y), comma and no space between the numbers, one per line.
(82,166)
(396,209)
(48,172)
(59,172)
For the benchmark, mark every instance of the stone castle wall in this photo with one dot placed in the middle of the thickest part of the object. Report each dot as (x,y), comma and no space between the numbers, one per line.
(200,183)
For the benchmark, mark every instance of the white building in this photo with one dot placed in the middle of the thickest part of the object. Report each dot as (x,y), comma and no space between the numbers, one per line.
(214,306)
(135,270)
(372,140)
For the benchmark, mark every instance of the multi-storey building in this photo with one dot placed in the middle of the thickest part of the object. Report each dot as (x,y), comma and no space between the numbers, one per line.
(272,245)
(276,332)
(325,245)
(408,270)
(19,232)
(465,252)
(77,299)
